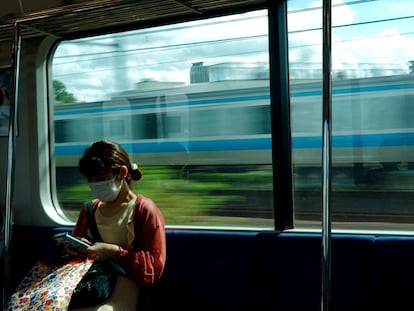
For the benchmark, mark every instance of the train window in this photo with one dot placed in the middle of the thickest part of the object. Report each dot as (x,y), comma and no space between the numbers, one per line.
(116,128)
(190,102)
(372,114)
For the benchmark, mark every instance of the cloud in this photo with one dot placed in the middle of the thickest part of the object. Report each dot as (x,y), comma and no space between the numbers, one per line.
(362,45)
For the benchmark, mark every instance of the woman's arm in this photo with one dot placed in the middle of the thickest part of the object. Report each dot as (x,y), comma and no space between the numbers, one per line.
(145,263)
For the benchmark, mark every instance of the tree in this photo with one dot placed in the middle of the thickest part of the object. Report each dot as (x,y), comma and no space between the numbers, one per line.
(61,95)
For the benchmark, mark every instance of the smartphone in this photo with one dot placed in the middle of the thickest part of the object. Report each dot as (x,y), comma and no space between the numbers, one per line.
(69,240)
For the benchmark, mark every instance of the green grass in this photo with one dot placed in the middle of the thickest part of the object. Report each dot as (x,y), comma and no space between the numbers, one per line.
(188,198)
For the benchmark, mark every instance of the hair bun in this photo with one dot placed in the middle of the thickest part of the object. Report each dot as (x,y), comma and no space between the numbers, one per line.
(136,174)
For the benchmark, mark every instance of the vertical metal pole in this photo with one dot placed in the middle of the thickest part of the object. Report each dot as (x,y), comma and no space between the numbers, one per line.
(326,158)
(8,221)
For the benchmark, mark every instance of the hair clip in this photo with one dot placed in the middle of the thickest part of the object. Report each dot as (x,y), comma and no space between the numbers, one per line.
(134,166)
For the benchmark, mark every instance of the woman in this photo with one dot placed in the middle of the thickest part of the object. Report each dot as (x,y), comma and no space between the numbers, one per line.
(131,226)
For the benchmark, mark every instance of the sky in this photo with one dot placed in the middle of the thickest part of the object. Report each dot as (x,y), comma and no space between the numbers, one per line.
(369,38)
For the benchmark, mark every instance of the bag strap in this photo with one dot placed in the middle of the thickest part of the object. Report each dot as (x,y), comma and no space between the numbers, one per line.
(90,218)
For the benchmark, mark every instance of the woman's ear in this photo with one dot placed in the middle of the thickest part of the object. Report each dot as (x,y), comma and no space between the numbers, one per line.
(123,171)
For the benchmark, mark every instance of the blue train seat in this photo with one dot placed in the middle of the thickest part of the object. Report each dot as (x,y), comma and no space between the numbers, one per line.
(290,266)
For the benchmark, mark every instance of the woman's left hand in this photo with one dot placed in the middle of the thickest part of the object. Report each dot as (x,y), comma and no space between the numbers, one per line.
(100,251)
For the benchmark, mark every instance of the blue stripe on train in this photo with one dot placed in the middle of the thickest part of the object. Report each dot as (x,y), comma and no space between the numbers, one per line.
(346,141)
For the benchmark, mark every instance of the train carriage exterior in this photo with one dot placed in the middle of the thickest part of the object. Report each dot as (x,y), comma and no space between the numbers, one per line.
(386,134)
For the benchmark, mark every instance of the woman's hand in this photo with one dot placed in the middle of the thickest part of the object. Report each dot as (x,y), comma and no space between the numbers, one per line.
(78,252)
(100,251)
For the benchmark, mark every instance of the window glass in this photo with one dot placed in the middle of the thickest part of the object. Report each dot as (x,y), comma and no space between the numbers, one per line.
(190,103)
(372,113)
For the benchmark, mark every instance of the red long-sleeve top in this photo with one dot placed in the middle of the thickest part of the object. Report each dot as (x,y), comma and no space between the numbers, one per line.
(145,263)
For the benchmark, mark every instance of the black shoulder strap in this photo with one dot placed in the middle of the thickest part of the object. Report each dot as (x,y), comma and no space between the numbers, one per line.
(90,217)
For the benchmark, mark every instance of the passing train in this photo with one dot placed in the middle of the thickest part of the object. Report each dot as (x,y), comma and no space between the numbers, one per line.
(175,122)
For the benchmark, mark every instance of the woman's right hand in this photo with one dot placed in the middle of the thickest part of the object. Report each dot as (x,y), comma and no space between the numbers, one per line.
(79,252)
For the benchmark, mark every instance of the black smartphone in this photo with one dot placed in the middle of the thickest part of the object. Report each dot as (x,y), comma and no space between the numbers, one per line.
(69,240)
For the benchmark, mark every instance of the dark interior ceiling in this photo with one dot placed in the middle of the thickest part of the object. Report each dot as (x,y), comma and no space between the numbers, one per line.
(75,20)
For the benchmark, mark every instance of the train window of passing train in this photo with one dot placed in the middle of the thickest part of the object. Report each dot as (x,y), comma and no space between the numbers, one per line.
(190,103)
(194,100)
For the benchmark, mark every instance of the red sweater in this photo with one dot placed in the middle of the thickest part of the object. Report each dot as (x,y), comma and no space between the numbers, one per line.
(145,263)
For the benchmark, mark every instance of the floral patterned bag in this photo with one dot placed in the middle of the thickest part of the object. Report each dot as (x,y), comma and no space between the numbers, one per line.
(48,286)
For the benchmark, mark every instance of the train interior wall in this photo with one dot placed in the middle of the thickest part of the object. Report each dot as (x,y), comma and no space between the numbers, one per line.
(24,192)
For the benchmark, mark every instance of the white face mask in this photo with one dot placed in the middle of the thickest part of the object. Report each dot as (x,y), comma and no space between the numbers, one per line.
(105,190)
